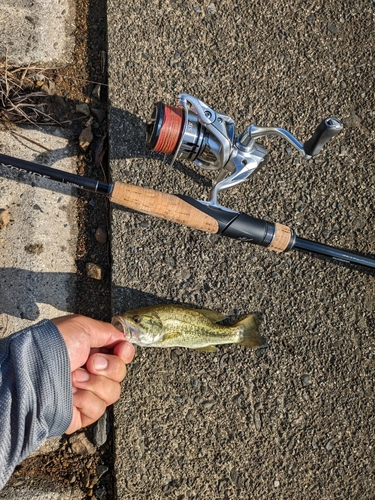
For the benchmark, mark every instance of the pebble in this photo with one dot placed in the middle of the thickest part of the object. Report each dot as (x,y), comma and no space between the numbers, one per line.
(305,380)
(96,92)
(223,360)
(194,383)
(185,274)
(257,421)
(333,29)
(101,429)
(233,475)
(331,443)
(4,218)
(80,445)
(83,109)
(359,223)
(94,271)
(101,235)
(170,261)
(211,9)
(214,238)
(60,101)
(99,114)
(85,139)
(101,470)
(207,405)
(101,493)
(85,477)
(174,355)
(314,443)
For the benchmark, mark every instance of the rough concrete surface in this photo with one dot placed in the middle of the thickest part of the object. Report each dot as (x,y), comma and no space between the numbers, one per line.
(296,419)
(39,32)
(41,490)
(38,246)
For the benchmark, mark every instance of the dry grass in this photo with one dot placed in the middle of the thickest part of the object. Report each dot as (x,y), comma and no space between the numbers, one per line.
(21,94)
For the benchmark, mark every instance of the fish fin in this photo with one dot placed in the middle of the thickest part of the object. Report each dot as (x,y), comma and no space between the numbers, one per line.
(212,315)
(209,348)
(171,335)
(250,335)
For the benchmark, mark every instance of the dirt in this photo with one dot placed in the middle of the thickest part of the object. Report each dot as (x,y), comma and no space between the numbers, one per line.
(70,87)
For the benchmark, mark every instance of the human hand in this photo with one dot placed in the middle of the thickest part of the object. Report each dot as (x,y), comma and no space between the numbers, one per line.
(98,357)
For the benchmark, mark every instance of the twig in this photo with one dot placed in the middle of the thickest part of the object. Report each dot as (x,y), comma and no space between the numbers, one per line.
(30,140)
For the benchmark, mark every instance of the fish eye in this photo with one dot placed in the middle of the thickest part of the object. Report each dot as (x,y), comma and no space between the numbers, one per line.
(137,319)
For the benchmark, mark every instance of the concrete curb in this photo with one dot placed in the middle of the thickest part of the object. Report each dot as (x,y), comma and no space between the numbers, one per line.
(39,32)
(38,245)
(37,254)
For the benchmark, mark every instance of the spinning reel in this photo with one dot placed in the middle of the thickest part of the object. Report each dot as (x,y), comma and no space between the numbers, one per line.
(193,131)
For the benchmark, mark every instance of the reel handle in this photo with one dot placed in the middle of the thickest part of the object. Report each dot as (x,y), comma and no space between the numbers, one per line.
(327,129)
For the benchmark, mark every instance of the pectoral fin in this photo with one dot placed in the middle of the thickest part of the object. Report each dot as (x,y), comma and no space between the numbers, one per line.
(209,348)
(171,336)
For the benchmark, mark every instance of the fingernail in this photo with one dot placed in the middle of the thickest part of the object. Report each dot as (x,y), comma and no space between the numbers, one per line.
(74,389)
(81,375)
(100,363)
(129,350)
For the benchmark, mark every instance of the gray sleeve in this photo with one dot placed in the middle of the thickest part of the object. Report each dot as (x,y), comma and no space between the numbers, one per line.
(35,392)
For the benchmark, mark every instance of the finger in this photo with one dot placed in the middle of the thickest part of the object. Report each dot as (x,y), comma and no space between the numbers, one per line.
(107,365)
(104,388)
(99,333)
(87,408)
(125,351)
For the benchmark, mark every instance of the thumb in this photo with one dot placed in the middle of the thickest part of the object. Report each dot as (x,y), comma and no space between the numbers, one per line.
(82,333)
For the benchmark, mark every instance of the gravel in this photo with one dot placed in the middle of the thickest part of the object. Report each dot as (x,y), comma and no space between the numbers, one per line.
(287,64)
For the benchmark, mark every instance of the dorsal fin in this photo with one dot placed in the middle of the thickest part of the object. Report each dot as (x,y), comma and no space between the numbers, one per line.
(212,315)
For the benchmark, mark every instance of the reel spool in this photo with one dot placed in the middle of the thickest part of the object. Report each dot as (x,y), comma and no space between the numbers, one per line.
(188,131)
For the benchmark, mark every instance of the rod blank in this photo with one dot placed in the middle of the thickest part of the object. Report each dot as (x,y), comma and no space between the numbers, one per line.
(186,211)
(56,175)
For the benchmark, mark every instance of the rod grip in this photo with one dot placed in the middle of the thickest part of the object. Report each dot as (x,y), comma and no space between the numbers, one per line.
(327,129)
(162,205)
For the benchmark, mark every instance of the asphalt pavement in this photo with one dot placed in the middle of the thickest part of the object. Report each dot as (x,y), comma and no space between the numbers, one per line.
(295,419)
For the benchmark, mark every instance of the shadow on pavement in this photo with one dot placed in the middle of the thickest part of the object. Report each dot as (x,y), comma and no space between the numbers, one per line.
(21,290)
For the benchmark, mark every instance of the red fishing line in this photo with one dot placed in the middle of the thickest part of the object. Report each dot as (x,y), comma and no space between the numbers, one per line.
(170,130)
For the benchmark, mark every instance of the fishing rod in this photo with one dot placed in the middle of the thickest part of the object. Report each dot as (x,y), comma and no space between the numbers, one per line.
(194,131)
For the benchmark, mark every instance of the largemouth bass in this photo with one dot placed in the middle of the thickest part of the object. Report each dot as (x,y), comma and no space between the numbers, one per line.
(179,326)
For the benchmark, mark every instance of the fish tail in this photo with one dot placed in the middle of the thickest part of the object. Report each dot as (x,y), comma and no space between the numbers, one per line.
(250,335)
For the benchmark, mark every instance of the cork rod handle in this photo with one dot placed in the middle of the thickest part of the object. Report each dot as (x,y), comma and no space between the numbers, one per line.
(162,205)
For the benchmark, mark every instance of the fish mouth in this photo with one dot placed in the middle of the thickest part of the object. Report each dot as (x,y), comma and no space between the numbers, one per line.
(123,326)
